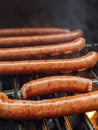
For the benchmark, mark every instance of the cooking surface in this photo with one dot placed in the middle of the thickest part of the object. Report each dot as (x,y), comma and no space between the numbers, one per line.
(11,86)
(66,14)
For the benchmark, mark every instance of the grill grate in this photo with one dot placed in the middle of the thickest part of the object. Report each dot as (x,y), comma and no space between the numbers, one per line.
(11,86)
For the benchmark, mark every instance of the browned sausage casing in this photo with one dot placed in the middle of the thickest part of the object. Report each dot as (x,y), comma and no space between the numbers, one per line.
(49,66)
(30,31)
(54,84)
(22,109)
(39,40)
(40,51)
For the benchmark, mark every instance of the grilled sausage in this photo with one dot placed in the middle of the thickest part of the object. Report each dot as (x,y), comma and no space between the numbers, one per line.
(31,31)
(39,40)
(40,51)
(22,109)
(54,84)
(49,66)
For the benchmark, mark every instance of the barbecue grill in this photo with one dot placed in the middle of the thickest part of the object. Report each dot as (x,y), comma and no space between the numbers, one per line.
(11,86)
(33,17)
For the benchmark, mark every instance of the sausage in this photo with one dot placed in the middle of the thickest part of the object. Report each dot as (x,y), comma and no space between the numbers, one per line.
(39,40)
(22,109)
(54,84)
(7,32)
(49,66)
(40,51)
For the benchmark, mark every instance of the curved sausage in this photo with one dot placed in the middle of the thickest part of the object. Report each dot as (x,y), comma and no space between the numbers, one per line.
(49,66)
(6,32)
(39,40)
(22,109)
(40,51)
(54,84)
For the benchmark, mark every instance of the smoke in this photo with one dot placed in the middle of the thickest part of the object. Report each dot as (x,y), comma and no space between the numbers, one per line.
(70,14)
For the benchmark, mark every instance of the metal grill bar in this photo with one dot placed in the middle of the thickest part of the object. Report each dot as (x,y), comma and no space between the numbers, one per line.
(69,127)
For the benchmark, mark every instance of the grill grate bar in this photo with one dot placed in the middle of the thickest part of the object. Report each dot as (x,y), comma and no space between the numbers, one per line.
(16,87)
(69,127)
(45,125)
(96,77)
(57,124)
(88,123)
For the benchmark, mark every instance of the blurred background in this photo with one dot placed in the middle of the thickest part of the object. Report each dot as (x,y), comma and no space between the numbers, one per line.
(71,14)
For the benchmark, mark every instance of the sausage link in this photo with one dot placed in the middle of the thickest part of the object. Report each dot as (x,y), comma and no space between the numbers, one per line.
(22,109)
(30,31)
(49,66)
(54,84)
(40,51)
(39,40)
